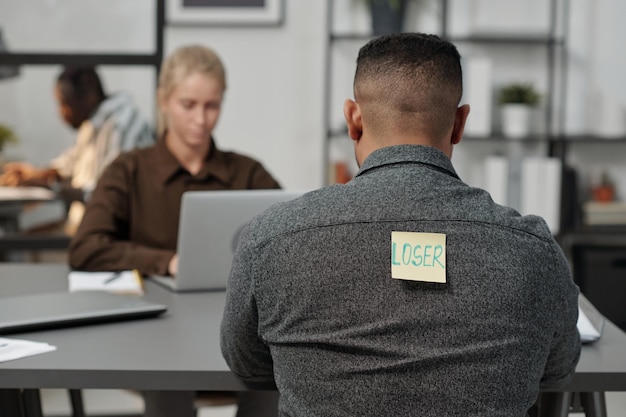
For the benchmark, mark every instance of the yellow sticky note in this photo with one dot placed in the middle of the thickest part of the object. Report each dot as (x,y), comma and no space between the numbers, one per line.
(417,256)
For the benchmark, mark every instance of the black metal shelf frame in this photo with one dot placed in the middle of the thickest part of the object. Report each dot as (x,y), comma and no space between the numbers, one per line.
(556,76)
(149,59)
(556,50)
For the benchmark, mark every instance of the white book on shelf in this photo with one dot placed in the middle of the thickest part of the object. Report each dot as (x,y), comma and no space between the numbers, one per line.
(604,213)
(479,95)
(496,178)
(541,189)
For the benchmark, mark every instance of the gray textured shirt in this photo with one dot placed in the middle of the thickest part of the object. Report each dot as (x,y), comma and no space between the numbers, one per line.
(311,302)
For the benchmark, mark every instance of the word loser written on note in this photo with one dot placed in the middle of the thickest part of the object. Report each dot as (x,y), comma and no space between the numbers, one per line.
(417,256)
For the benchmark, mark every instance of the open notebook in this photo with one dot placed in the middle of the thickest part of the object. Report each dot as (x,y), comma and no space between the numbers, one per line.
(121,282)
(208,232)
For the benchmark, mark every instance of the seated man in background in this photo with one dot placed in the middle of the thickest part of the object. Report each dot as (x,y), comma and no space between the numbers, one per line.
(404,292)
(131,219)
(106,126)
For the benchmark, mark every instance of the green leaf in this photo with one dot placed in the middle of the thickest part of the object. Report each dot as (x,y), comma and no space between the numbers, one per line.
(7,136)
(520,93)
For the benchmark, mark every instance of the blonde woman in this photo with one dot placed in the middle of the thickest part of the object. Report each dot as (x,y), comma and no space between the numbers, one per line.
(131,220)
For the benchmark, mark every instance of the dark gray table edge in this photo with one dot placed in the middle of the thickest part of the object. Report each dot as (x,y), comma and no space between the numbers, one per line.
(137,380)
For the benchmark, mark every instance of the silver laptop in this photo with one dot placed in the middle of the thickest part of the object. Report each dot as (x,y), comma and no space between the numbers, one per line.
(26,313)
(208,232)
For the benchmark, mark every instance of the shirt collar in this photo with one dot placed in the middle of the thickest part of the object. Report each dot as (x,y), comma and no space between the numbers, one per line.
(398,154)
(215,164)
(115,104)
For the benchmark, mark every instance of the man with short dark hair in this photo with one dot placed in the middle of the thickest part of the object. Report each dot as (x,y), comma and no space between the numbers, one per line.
(78,92)
(107,125)
(404,292)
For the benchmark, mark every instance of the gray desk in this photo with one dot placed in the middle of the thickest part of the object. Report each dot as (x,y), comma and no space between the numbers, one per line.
(12,200)
(12,203)
(598,261)
(602,367)
(180,351)
(177,351)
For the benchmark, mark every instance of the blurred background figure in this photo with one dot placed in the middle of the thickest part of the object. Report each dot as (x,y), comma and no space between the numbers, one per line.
(106,125)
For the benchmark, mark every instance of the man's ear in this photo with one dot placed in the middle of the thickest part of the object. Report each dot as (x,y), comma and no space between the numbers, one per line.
(459,123)
(352,113)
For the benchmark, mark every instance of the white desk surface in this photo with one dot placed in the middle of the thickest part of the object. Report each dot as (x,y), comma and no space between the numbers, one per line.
(25,194)
(180,350)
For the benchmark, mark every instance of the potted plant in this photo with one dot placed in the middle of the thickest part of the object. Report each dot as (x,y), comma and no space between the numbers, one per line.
(604,192)
(6,136)
(387,16)
(516,101)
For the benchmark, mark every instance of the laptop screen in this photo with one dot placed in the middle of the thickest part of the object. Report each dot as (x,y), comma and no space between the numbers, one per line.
(209,229)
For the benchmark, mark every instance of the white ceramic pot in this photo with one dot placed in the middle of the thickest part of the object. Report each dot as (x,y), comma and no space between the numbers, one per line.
(516,120)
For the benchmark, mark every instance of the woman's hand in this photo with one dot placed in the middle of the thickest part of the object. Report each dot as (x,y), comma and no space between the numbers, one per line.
(172,267)
(23,173)
(16,172)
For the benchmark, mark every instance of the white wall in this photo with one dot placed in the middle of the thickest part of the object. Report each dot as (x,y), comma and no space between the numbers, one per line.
(597,90)
(64,26)
(274,107)
(272,111)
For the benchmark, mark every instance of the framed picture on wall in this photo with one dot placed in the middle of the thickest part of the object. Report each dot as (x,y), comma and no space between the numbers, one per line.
(225,12)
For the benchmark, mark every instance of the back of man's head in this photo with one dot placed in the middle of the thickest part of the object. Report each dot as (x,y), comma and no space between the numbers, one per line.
(409,83)
(80,90)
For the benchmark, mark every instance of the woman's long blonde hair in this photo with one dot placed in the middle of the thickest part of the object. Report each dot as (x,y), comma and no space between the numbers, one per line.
(182,63)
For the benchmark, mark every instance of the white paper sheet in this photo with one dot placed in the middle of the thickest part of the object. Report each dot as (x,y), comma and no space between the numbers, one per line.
(11,349)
